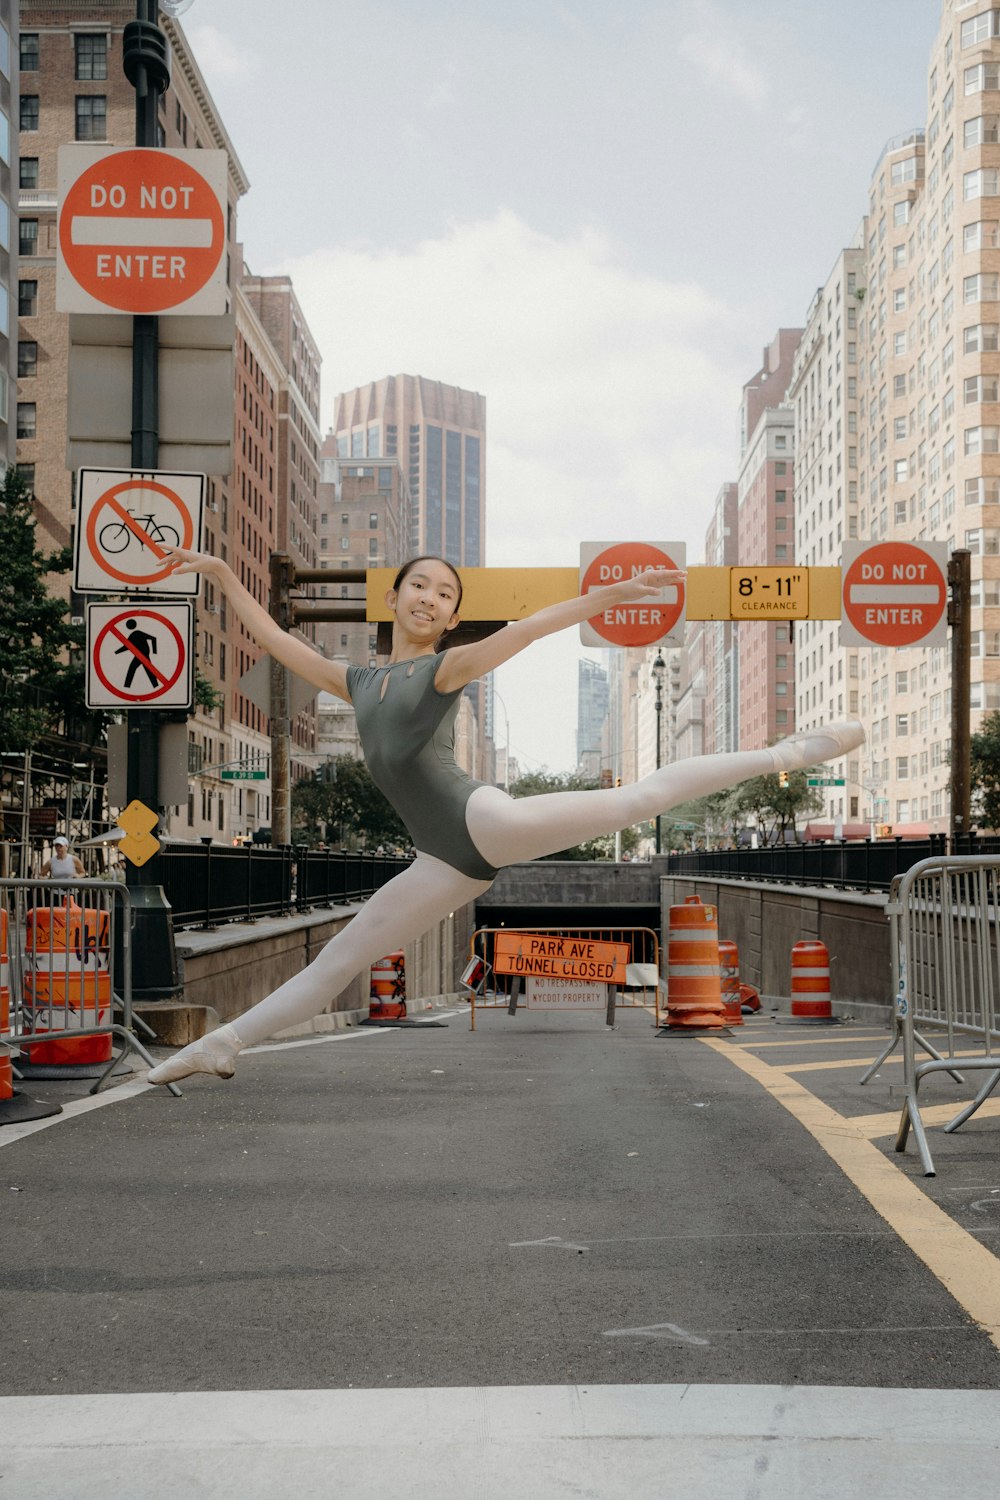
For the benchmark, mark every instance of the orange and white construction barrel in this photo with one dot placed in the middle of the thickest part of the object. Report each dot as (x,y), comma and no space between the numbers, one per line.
(388,987)
(729,967)
(811,982)
(694,986)
(67,984)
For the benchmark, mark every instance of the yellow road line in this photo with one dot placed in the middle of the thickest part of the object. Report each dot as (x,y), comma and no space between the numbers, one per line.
(969,1271)
(859,1062)
(840,1039)
(874,1126)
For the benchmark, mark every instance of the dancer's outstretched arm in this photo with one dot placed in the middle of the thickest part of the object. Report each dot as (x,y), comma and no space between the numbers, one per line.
(331,676)
(463,664)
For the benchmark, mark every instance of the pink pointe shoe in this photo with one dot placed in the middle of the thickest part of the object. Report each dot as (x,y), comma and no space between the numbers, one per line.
(811,746)
(215,1053)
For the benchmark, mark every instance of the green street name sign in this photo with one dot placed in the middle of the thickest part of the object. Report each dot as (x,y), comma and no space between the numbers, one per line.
(826,781)
(239,774)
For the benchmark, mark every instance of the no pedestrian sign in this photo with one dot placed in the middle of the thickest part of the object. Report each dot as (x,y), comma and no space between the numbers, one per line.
(894,594)
(643,622)
(126,521)
(141,231)
(141,656)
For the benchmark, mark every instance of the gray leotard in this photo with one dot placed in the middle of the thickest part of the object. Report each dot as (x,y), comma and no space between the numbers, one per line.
(408,737)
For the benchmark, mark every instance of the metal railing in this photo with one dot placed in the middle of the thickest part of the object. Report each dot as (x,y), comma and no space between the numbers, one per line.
(67,957)
(207,884)
(865,865)
(943,916)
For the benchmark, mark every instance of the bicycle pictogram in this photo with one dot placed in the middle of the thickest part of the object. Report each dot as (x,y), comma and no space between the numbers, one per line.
(117,536)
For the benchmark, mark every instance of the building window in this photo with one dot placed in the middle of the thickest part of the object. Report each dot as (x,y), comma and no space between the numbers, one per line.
(983,491)
(29,51)
(91,117)
(372,520)
(901,213)
(982,338)
(373,546)
(345,544)
(985,287)
(981,131)
(903,171)
(27,358)
(981,388)
(91,56)
(28,118)
(982,183)
(980,28)
(27,299)
(28,172)
(26,473)
(982,440)
(28,237)
(982,76)
(26,412)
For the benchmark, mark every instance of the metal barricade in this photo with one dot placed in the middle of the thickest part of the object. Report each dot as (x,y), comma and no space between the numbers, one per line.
(943,916)
(69,946)
(642,985)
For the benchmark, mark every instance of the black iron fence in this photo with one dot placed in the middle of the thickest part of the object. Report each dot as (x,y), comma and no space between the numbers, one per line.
(866,865)
(208,883)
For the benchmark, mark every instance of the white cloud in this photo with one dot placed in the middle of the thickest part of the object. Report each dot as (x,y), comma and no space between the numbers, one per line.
(717,54)
(611,394)
(218,57)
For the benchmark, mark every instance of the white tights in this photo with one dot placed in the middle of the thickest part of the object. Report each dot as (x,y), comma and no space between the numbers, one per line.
(505,830)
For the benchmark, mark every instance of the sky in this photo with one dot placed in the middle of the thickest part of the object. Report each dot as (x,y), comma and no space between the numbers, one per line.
(596,213)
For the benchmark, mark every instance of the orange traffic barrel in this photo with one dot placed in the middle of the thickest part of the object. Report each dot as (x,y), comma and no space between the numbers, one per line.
(811,981)
(729,965)
(6,1075)
(694,987)
(67,985)
(388,988)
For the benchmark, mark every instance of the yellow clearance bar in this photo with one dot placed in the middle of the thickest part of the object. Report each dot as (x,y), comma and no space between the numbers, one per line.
(712,593)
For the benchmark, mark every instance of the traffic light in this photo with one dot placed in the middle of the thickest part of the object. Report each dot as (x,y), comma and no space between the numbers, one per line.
(885,830)
(782,778)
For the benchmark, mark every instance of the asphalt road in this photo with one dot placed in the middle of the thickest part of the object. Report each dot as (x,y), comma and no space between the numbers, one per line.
(544,1202)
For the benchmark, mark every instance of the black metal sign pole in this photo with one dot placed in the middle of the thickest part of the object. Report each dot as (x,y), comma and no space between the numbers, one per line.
(959,618)
(155,975)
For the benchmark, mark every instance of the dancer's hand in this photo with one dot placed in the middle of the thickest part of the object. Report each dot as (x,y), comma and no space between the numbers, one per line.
(652,581)
(183,560)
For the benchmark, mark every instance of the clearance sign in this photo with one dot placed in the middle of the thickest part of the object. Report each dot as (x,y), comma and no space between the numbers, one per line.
(548,956)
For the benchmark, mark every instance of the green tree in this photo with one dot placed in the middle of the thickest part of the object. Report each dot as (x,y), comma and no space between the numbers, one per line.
(43,680)
(773,807)
(699,821)
(537,783)
(343,800)
(985,778)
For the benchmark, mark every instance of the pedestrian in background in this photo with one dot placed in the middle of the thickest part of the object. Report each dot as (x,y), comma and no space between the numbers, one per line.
(61,865)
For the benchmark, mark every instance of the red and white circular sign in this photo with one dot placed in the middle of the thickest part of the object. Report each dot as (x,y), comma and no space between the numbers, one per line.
(139,655)
(140,231)
(642,622)
(894,594)
(126,522)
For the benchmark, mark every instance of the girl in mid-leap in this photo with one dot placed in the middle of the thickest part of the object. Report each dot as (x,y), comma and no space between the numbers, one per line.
(463,831)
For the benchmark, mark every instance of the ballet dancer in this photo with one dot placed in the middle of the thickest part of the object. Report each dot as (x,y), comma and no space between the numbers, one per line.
(463,831)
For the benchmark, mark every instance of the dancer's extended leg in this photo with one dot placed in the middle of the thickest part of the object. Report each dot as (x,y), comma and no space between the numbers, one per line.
(507,830)
(401,911)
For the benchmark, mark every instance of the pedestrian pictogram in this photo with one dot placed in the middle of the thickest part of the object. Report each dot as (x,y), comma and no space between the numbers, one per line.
(141,231)
(126,521)
(646,621)
(138,821)
(140,656)
(894,594)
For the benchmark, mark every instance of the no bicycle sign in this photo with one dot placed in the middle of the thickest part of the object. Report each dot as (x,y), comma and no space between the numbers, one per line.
(126,521)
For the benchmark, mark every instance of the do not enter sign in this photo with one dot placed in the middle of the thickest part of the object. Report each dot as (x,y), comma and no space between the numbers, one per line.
(141,231)
(643,622)
(894,594)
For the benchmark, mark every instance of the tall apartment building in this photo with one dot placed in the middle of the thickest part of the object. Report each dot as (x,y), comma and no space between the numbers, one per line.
(9,176)
(719,639)
(438,432)
(591,714)
(73,89)
(826,395)
(766,536)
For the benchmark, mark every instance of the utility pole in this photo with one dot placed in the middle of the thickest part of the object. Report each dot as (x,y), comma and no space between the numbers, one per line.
(960,620)
(659,667)
(146,63)
(282,578)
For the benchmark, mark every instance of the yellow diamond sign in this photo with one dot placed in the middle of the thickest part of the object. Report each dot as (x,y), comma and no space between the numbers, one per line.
(138,821)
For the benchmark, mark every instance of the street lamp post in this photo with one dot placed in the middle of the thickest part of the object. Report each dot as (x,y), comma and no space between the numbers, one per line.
(506,731)
(659,668)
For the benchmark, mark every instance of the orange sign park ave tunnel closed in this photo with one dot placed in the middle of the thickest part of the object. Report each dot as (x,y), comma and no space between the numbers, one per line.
(549,956)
